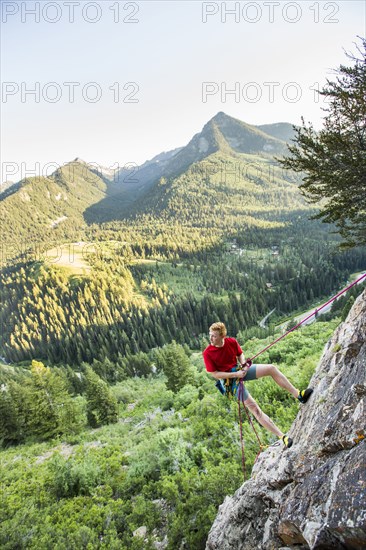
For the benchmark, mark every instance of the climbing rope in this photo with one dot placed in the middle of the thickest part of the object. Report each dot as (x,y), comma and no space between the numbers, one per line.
(261,446)
(249,362)
(315,312)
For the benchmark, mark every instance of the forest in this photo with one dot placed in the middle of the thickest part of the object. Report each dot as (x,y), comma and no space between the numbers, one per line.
(103,444)
(145,460)
(132,300)
(112,433)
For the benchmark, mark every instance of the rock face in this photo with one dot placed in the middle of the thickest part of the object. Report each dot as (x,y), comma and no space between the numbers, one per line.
(312,495)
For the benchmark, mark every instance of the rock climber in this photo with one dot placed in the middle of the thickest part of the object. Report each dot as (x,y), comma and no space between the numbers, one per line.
(221,359)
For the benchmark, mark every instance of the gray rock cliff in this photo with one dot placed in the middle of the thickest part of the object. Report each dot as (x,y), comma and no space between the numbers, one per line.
(313,495)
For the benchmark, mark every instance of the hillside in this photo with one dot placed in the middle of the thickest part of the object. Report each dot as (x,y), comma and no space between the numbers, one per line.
(193,184)
(227,134)
(312,495)
(43,209)
(236,189)
(279,130)
(6,187)
(225,146)
(155,478)
(125,185)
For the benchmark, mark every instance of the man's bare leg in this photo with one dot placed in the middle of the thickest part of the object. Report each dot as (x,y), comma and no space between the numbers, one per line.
(262,418)
(278,377)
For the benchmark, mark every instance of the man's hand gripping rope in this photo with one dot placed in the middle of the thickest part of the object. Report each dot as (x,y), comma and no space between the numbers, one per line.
(244,367)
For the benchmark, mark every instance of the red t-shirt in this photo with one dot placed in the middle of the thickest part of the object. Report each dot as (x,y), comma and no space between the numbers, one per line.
(224,358)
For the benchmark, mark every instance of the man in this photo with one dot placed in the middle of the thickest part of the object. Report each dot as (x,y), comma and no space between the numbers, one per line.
(221,358)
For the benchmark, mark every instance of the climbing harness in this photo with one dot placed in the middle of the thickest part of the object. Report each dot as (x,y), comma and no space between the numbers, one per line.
(240,390)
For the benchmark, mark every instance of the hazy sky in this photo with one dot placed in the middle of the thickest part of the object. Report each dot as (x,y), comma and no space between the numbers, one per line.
(119,82)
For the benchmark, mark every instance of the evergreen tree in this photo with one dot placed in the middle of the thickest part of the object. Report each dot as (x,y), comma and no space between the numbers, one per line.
(176,366)
(334,159)
(101,407)
(11,418)
(51,410)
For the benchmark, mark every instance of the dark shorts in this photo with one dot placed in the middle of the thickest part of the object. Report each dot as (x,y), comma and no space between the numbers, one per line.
(233,386)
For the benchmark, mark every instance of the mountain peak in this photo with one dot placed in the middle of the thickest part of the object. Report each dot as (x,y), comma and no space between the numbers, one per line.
(79,160)
(222,134)
(231,133)
(220,115)
(281,131)
(223,118)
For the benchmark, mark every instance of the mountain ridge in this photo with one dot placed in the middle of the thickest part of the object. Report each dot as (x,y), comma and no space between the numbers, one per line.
(47,207)
(78,194)
(221,134)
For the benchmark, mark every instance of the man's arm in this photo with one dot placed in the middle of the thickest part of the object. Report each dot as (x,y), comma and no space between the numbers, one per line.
(242,359)
(221,374)
(228,374)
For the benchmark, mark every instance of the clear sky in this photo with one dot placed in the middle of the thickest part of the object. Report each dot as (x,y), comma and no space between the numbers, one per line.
(119,82)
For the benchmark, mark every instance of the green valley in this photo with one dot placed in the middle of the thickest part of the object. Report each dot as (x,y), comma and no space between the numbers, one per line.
(112,433)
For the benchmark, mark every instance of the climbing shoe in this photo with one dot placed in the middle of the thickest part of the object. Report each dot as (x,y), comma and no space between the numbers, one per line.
(287,441)
(304,395)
